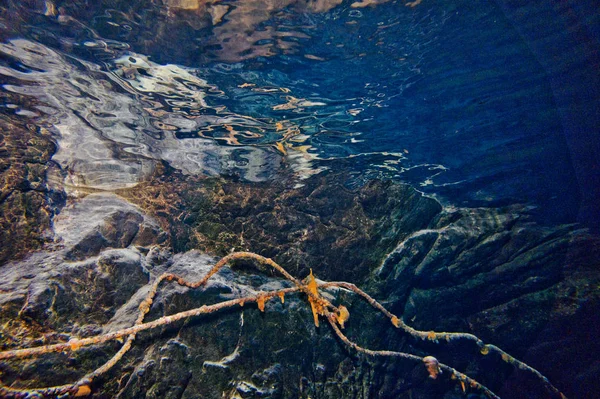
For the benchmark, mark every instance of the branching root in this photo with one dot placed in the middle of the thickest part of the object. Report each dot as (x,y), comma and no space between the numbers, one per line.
(337,316)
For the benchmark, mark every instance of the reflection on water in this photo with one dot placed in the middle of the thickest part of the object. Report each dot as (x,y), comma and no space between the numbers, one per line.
(113,121)
(405,90)
(114,113)
(112,125)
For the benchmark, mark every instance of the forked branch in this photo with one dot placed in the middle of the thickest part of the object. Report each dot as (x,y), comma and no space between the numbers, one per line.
(336,316)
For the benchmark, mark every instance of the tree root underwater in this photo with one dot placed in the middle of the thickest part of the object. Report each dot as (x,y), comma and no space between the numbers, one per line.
(321,308)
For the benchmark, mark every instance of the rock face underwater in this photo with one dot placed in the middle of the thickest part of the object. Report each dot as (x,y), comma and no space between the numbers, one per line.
(528,289)
(103,137)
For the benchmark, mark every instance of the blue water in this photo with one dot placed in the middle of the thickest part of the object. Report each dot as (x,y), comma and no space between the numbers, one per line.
(477,104)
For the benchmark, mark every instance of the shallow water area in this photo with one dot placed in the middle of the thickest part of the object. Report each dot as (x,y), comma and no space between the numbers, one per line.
(440,155)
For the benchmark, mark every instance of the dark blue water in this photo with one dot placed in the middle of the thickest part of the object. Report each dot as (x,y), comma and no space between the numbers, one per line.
(477,104)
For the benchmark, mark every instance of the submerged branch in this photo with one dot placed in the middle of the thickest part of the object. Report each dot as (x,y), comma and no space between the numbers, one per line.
(336,316)
(436,337)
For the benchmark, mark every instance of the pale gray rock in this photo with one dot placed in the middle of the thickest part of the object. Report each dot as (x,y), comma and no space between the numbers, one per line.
(101,221)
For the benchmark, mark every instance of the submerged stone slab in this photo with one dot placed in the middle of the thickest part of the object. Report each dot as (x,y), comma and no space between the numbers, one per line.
(511,282)
(104,220)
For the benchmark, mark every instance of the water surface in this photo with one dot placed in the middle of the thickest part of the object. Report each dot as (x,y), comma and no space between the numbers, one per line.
(477,104)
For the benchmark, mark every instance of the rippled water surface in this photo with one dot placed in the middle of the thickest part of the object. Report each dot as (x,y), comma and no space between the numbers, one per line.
(476,103)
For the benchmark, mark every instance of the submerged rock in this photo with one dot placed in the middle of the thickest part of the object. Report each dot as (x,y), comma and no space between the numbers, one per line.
(510,282)
(99,264)
(101,221)
(341,233)
(529,289)
(27,203)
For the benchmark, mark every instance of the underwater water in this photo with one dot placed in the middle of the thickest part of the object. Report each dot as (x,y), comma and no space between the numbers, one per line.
(491,109)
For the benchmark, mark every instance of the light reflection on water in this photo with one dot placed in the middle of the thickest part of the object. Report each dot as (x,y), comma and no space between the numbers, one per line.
(112,125)
(412,91)
(113,121)
(114,112)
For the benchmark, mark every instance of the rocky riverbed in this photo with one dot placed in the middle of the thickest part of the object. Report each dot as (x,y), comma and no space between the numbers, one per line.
(143,138)
(529,289)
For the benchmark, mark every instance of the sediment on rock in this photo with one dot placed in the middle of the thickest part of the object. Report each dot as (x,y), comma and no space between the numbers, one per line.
(27,203)
(489,272)
(346,232)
